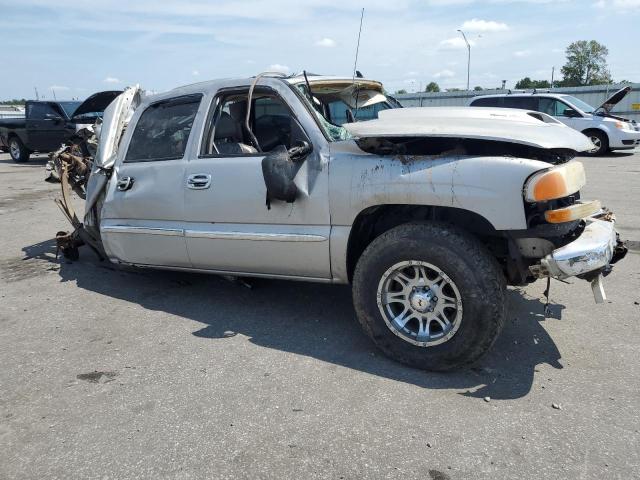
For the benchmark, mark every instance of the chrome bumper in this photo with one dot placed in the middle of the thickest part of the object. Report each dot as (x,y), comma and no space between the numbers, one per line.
(591,252)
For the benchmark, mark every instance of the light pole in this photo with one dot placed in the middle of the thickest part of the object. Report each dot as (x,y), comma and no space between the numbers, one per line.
(468,56)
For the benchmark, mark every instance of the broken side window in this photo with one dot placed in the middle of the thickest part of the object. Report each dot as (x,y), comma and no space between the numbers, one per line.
(162,132)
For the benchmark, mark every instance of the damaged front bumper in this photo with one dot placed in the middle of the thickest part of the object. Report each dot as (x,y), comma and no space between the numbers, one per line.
(590,256)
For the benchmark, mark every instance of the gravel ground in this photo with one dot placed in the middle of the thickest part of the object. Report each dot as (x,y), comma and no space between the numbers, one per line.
(134,374)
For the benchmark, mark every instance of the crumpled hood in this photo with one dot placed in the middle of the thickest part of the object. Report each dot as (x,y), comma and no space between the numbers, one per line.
(523,127)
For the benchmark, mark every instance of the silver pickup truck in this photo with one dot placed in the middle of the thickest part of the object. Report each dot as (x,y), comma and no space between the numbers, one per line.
(428,213)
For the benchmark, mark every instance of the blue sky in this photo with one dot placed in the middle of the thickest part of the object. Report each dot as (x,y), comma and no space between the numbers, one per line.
(79,47)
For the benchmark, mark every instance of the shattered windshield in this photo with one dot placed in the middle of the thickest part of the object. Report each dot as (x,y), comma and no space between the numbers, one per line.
(334,132)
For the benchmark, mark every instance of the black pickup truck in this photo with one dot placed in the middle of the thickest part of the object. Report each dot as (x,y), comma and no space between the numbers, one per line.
(49,124)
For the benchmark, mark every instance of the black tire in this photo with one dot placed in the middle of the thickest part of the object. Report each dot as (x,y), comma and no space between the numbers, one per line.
(17,150)
(477,275)
(600,140)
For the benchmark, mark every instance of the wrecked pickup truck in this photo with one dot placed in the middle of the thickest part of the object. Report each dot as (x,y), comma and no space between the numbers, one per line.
(428,213)
(47,124)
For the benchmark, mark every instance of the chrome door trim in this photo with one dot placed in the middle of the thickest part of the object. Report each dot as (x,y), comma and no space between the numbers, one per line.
(273,237)
(170,232)
(232,272)
(199,181)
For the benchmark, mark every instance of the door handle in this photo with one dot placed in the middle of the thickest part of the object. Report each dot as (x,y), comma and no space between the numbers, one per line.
(124,184)
(199,181)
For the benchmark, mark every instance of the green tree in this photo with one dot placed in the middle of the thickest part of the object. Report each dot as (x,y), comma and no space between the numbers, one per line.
(586,64)
(432,87)
(527,83)
(401,91)
(478,88)
(15,101)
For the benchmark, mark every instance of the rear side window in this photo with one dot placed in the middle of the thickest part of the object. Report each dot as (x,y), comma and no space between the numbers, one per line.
(524,103)
(39,111)
(487,102)
(162,132)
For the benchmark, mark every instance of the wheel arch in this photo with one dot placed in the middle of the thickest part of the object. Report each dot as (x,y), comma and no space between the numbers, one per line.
(595,129)
(373,221)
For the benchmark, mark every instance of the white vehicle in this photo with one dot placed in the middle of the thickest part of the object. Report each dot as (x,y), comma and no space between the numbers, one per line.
(606,131)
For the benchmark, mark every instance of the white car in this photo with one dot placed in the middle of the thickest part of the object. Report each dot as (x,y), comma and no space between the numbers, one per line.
(606,131)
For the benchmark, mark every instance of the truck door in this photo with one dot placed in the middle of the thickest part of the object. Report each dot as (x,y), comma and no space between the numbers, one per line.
(142,220)
(229,226)
(45,124)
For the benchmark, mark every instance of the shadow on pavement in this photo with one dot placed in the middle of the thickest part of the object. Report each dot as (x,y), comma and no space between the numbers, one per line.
(617,154)
(314,320)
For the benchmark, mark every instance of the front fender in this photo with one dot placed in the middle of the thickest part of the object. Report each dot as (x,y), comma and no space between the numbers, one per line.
(490,186)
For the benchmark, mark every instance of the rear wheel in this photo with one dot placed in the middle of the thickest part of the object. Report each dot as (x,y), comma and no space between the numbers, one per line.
(429,296)
(17,150)
(599,140)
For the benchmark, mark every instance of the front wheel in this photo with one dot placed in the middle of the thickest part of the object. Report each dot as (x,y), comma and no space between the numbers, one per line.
(430,296)
(17,150)
(600,142)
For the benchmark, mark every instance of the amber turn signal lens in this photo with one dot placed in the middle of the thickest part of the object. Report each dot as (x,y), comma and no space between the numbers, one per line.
(574,212)
(556,182)
(551,185)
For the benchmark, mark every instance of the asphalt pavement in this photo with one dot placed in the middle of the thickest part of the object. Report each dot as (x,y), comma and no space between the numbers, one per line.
(110,373)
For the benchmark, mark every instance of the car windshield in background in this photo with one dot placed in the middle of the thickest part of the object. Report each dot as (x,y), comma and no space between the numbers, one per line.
(585,107)
(338,111)
(69,107)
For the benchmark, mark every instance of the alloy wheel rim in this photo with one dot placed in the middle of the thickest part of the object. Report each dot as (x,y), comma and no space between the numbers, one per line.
(420,303)
(14,149)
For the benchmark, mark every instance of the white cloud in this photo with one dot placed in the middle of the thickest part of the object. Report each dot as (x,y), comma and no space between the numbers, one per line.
(455,43)
(476,25)
(111,80)
(326,42)
(522,53)
(276,67)
(195,73)
(618,5)
(446,73)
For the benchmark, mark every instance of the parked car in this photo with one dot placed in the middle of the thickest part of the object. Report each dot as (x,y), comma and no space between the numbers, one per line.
(49,124)
(427,212)
(606,131)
